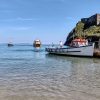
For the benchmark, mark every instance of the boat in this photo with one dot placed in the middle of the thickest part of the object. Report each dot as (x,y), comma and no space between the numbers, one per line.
(10,44)
(78,47)
(37,43)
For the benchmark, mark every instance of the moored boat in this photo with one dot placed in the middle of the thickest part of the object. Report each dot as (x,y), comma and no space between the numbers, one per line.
(78,47)
(10,44)
(37,43)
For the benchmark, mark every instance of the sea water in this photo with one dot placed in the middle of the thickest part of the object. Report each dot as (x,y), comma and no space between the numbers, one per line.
(29,75)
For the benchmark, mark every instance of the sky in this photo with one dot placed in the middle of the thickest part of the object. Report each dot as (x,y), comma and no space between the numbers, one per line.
(23,21)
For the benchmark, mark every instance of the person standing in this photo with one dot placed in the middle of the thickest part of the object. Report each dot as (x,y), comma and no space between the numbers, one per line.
(61,44)
(52,44)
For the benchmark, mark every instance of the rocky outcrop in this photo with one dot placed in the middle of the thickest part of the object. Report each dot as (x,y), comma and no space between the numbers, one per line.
(88,29)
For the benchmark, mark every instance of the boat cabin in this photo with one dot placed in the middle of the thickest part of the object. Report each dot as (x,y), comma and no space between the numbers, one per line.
(37,43)
(79,42)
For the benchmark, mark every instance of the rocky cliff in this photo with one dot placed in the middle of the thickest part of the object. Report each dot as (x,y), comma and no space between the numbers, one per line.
(84,30)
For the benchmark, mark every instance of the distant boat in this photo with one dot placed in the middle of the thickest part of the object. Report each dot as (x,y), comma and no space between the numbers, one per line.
(10,44)
(37,43)
(78,47)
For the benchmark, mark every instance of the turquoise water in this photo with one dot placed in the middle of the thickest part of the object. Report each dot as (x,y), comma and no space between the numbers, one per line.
(29,75)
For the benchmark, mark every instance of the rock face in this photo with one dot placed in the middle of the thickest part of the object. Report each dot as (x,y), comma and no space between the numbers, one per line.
(93,20)
(88,28)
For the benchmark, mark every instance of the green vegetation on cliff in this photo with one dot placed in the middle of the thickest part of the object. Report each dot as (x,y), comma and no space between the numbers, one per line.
(90,31)
(79,29)
(81,32)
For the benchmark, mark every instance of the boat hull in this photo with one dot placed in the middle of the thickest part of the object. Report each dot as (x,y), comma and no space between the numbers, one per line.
(36,45)
(75,51)
(10,45)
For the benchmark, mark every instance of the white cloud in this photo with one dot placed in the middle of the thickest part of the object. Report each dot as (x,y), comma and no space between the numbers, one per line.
(6,11)
(15,28)
(20,28)
(25,19)
(19,19)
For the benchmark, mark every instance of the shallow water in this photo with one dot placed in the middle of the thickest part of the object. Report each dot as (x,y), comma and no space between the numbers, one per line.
(29,75)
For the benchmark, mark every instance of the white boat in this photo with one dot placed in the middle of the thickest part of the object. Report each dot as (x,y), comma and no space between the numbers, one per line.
(37,43)
(10,44)
(77,48)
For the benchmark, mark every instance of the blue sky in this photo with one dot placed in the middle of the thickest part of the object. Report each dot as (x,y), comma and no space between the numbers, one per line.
(22,21)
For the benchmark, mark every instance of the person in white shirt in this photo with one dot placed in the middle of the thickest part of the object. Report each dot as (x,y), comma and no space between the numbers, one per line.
(61,44)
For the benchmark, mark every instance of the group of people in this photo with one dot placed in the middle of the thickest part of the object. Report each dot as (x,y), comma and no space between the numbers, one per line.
(60,44)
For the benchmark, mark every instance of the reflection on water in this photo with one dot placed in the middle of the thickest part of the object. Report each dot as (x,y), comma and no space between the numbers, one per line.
(39,76)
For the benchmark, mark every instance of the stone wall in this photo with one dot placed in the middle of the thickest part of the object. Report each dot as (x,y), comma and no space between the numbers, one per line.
(98,19)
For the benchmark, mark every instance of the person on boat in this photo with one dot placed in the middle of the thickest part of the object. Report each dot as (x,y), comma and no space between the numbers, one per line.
(86,42)
(52,44)
(61,44)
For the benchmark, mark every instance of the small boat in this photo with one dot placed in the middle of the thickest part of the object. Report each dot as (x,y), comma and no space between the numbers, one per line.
(37,43)
(10,44)
(78,47)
